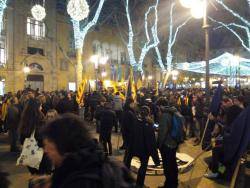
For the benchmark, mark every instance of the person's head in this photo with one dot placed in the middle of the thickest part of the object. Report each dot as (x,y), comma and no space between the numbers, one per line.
(31,116)
(14,100)
(145,111)
(239,101)
(130,103)
(162,102)
(232,113)
(117,93)
(226,103)
(51,114)
(42,99)
(64,135)
(108,105)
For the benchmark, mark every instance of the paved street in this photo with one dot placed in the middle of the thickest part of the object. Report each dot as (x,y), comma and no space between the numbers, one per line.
(19,175)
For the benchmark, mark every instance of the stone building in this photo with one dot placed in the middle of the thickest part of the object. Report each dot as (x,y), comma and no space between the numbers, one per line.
(47,48)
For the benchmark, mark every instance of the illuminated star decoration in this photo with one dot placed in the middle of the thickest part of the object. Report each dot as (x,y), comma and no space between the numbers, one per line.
(171,42)
(232,26)
(38,12)
(3,5)
(80,34)
(138,66)
(78,9)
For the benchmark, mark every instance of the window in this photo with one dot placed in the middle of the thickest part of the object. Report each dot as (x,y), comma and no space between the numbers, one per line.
(35,29)
(2,54)
(33,51)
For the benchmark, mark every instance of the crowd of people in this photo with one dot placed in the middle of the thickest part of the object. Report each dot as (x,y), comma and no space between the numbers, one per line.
(153,120)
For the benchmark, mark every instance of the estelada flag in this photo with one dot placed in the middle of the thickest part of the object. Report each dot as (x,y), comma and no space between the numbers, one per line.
(80,91)
(131,89)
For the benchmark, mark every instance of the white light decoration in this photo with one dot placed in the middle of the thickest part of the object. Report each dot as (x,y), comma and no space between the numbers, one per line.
(173,32)
(78,9)
(187,3)
(38,12)
(226,64)
(197,10)
(26,69)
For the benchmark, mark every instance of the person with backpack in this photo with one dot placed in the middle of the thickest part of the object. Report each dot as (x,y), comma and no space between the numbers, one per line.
(78,159)
(170,135)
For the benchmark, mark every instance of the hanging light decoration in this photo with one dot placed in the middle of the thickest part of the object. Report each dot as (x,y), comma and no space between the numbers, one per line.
(38,11)
(78,9)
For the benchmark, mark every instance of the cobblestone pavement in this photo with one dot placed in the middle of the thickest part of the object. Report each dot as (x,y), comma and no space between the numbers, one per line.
(19,176)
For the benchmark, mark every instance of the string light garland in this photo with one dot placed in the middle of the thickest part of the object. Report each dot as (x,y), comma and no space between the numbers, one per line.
(3,5)
(38,11)
(78,9)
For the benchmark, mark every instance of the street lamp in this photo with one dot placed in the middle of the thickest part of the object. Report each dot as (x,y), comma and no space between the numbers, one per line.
(199,10)
(98,60)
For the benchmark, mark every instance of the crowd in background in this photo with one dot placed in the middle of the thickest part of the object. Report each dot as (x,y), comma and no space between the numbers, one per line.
(153,120)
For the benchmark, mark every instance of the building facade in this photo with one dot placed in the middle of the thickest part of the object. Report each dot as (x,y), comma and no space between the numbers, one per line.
(47,48)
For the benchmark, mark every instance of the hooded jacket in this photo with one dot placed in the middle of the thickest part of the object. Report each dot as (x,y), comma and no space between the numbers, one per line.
(89,168)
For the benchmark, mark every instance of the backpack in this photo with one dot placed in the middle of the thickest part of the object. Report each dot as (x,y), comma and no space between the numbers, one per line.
(177,129)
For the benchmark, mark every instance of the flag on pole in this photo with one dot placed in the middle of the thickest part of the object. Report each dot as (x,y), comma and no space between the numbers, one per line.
(80,91)
(139,83)
(214,109)
(237,139)
(217,98)
(131,88)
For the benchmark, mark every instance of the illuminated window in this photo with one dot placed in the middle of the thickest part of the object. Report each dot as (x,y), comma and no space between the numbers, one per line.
(2,54)
(35,29)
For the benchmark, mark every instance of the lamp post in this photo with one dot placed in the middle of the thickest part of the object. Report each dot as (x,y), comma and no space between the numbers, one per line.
(199,10)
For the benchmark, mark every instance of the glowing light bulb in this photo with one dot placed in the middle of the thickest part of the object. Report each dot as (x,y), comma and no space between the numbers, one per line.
(197,10)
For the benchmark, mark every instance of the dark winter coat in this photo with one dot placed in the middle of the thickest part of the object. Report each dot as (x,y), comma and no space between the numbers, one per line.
(107,119)
(65,106)
(89,168)
(128,122)
(13,116)
(143,141)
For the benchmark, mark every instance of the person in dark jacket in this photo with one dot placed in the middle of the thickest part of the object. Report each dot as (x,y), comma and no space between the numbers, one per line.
(78,159)
(12,121)
(219,143)
(128,122)
(107,119)
(199,118)
(66,104)
(32,120)
(142,145)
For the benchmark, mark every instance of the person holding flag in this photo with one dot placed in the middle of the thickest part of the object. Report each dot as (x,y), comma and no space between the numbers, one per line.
(213,112)
(128,117)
